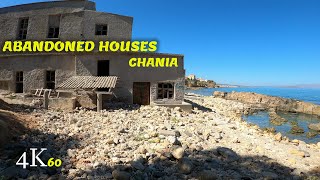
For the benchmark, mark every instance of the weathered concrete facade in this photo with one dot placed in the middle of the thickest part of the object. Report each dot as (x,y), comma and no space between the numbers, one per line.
(78,20)
(34,68)
(87,65)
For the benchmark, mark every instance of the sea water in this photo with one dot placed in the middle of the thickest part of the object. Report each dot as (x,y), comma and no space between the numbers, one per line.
(262,118)
(303,120)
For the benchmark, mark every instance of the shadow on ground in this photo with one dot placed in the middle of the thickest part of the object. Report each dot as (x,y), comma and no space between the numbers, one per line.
(200,107)
(19,139)
(120,106)
(220,163)
(15,107)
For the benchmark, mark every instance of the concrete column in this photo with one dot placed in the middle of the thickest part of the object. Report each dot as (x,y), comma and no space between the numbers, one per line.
(99,102)
(46,100)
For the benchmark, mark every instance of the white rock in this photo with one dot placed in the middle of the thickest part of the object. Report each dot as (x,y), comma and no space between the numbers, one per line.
(178,153)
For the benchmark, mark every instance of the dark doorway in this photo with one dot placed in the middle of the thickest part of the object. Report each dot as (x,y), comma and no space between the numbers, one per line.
(50,79)
(103,68)
(19,82)
(141,93)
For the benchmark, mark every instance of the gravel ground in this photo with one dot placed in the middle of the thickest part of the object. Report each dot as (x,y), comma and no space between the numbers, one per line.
(149,142)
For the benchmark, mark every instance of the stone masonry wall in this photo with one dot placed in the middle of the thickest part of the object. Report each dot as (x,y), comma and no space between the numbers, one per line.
(34,70)
(86,65)
(178,92)
(76,23)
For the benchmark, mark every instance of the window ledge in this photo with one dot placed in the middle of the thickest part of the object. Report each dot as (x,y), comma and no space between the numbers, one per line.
(52,38)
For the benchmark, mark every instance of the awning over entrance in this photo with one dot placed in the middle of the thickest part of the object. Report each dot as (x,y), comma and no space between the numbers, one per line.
(89,82)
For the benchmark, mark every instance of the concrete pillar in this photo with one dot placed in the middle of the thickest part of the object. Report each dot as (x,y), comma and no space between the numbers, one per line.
(46,100)
(99,102)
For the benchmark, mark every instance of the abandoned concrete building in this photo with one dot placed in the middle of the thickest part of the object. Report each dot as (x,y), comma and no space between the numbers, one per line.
(79,20)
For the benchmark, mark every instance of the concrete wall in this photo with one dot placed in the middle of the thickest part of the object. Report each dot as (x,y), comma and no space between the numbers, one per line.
(119,66)
(38,14)
(77,21)
(66,104)
(119,27)
(34,69)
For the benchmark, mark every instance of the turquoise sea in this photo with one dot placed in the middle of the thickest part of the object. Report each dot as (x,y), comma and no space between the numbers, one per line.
(262,118)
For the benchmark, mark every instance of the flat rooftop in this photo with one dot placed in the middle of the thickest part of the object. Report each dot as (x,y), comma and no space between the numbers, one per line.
(76,4)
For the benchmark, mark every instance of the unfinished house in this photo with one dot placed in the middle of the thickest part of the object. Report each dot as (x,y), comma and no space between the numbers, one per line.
(99,72)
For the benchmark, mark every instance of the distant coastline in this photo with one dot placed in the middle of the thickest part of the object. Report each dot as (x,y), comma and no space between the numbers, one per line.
(312,86)
(194,82)
(227,86)
(304,94)
(216,86)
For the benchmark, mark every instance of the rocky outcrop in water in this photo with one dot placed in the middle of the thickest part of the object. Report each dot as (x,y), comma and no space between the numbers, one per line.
(197,83)
(295,129)
(276,119)
(268,102)
(315,127)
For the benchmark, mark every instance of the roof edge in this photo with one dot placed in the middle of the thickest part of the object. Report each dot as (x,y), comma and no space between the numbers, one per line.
(85,5)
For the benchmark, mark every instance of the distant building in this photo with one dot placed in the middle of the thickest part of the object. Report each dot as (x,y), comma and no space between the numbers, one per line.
(191,77)
(202,80)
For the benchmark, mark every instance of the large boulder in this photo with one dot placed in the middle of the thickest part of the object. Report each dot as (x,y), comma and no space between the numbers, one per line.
(315,127)
(4,105)
(295,129)
(276,119)
(185,166)
(219,94)
(120,175)
(86,99)
(228,154)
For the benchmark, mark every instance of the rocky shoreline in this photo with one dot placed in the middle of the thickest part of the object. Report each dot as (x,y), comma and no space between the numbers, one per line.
(123,142)
(260,101)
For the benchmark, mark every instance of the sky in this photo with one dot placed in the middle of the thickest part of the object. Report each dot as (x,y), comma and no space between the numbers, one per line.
(245,42)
